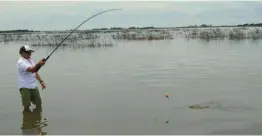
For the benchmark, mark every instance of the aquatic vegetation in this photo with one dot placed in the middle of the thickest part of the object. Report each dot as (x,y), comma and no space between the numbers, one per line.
(143,35)
(232,33)
(54,38)
(202,106)
(107,38)
(199,106)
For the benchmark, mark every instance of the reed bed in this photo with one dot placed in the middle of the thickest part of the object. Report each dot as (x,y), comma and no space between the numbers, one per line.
(108,38)
(53,39)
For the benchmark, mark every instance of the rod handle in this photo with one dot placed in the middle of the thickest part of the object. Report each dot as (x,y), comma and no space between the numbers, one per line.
(40,66)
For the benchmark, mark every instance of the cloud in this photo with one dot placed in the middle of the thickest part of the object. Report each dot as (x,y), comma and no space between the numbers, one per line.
(67,14)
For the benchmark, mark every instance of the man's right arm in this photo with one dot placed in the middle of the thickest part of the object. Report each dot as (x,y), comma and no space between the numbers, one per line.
(27,68)
(33,68)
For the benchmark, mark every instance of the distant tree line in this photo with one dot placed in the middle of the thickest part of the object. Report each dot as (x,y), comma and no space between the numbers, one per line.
(119,28)
(19,30)
(258,24)
(133,27)
(150,27)
(203,25)
(240,25)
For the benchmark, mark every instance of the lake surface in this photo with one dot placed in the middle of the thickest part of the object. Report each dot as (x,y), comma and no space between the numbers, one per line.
(120,90)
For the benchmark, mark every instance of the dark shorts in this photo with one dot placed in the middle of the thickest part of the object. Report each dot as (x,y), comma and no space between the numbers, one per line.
(30,95)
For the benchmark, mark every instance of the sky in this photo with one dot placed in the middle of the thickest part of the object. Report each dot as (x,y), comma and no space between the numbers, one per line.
(65,15)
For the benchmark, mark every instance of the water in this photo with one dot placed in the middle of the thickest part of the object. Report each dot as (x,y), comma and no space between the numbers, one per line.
(120,90)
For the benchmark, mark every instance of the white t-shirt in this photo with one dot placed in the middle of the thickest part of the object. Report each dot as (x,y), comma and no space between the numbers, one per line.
(26,79)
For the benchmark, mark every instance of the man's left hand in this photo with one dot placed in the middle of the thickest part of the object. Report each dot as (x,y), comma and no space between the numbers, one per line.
(43,85)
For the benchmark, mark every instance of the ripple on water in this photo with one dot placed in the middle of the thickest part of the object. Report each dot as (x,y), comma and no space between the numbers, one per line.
(4,73)
(148,80)
(71,74)
(7,86)
(160,85)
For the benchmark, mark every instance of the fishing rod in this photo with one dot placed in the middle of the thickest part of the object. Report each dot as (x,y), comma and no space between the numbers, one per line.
(45,59)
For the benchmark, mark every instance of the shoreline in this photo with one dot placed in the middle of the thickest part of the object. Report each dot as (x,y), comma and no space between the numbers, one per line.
(126,29)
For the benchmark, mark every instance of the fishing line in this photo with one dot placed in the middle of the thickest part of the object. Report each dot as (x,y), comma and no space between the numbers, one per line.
(45,59)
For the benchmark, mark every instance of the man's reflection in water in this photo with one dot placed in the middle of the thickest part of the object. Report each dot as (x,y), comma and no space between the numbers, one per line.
(33,123)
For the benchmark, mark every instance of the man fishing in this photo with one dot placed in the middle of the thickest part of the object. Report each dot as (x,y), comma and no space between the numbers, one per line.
(27,79)
(28,76)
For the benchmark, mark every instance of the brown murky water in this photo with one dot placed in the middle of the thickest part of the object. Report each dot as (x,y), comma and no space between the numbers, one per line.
(120,90)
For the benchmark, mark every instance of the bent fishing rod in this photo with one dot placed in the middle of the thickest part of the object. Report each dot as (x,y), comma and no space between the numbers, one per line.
(45,59)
